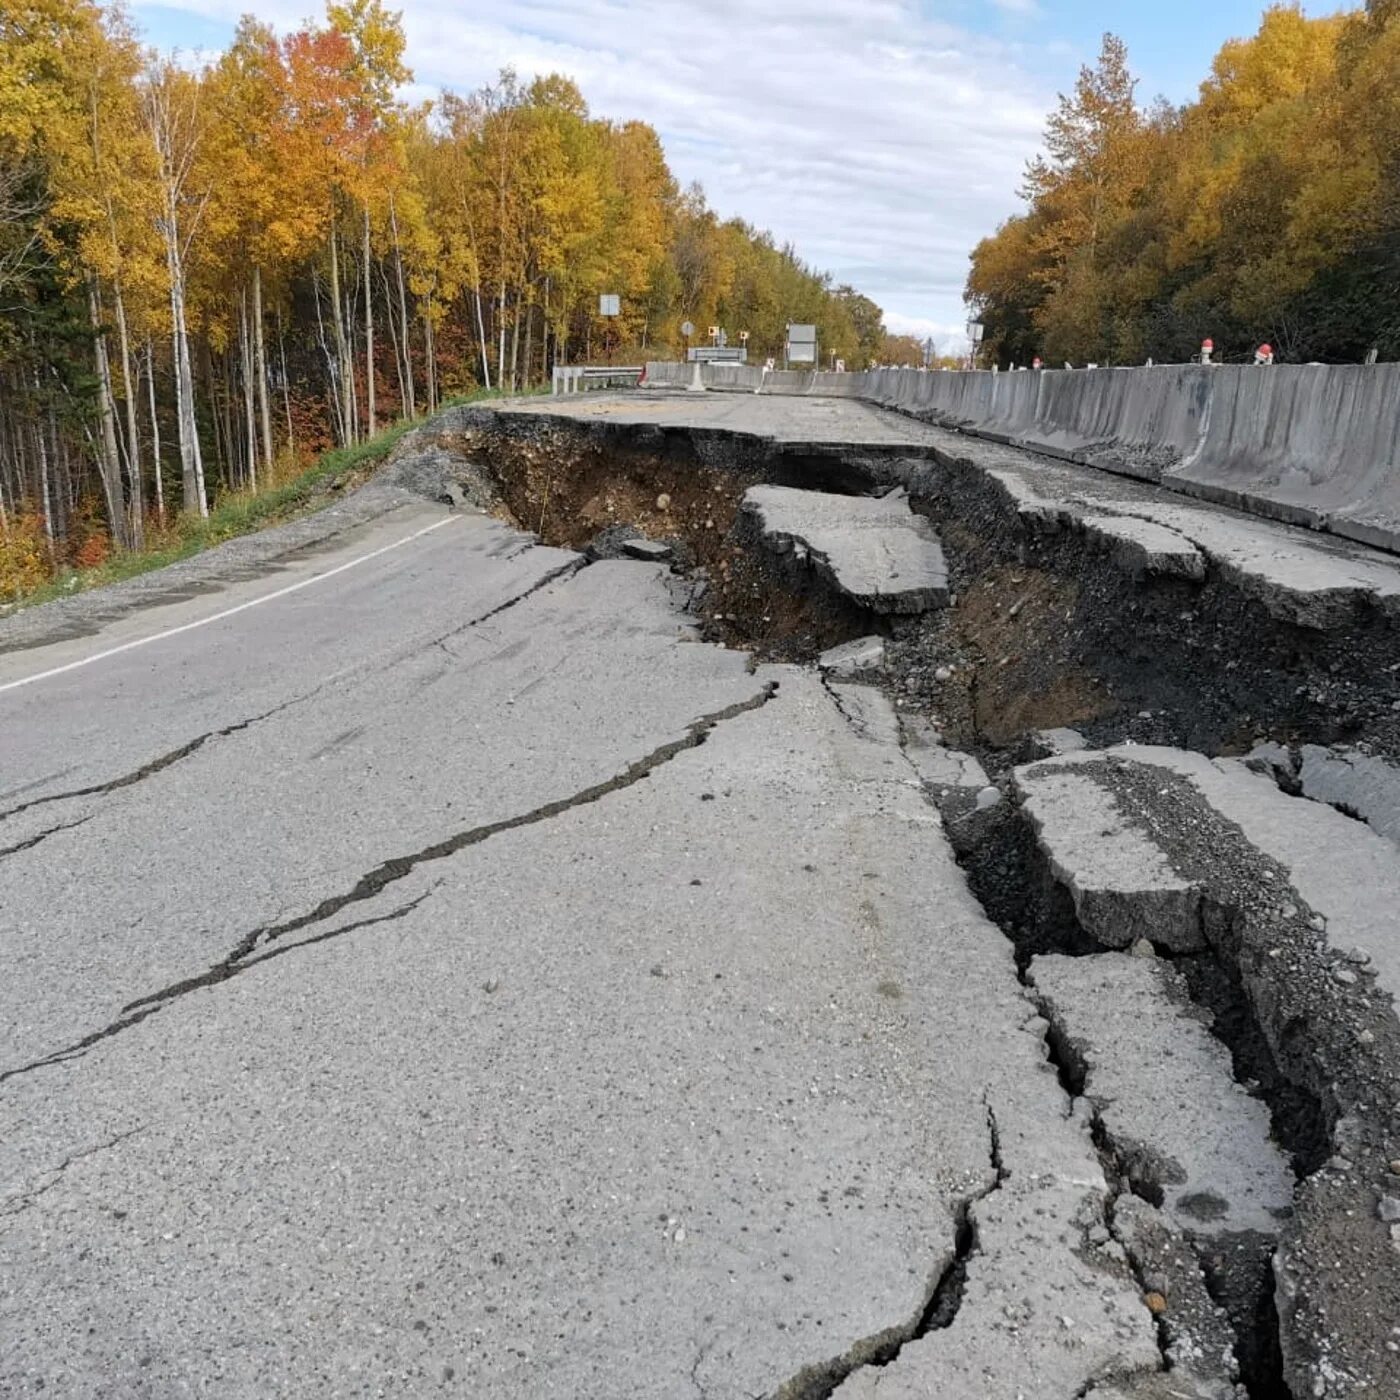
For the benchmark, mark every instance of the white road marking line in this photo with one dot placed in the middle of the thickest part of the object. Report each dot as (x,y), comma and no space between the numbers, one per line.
(228,612)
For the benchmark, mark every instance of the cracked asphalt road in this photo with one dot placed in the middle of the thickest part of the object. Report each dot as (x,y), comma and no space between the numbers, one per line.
(446,975)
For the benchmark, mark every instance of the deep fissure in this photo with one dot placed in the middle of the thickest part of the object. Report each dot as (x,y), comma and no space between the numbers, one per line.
(1045,923)
(1042,631)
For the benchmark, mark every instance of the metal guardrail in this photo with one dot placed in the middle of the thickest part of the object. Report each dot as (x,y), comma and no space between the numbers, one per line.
(573,379)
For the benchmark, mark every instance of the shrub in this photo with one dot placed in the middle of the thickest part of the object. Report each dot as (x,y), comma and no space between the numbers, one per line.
(24,557)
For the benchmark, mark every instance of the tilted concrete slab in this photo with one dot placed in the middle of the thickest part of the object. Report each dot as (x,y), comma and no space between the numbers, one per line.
(874,549)
(1122,885)
(1347,873)
(937,765)
(1294,573)
(861,656)
(1145,547)
(1043,1311)
(1060,740)
(1354,782)
(1199,1336)
(1164,1088)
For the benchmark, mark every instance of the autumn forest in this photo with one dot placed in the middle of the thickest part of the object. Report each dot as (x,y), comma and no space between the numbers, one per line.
(210,274)
(1268,210)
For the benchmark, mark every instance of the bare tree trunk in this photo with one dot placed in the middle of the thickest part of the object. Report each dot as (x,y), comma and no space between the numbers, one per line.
(476,292)
(394,343)
(286,388)
(369,333)
(245,357)
(430,354)
(136,501)
(481,332)
(260,365)
(191,461)
(515,344)
(155,428)
(175,144)
(341,373)
(44,480)
(136,520)
(108,457)
(224,446)
(501,339)
(410,404)
(58,456)
(544,333)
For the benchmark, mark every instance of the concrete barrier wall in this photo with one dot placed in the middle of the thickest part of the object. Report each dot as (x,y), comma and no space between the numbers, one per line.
(1316,445)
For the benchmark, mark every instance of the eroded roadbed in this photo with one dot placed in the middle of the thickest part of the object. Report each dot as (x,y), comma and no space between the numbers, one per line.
(577,989)
(1200,884)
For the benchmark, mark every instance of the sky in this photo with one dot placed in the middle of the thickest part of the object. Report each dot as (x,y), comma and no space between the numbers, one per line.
(882,138)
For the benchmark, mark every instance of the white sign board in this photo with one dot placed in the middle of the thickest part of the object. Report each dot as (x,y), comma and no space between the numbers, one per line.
(802,345)
(609,304)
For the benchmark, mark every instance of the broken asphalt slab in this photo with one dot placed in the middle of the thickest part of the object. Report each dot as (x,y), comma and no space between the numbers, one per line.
(873,549)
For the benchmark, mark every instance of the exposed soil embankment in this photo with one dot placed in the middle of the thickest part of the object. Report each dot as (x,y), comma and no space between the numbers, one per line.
(590,488)
(1044,629)
(1048,629)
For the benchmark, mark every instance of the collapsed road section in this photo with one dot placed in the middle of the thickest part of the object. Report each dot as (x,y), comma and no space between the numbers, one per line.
(1163,740)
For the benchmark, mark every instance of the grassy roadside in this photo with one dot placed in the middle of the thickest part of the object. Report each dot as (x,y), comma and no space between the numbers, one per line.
(239,513)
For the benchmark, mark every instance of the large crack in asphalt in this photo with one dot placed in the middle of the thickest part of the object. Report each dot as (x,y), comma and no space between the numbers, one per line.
(192,746)
(41,836)
(146,770)
(564,571)
(1236,1280)
(938,1309)
(245,953)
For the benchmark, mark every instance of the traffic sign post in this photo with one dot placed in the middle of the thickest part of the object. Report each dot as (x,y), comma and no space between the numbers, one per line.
(975,331)
(801,348)
(609,306)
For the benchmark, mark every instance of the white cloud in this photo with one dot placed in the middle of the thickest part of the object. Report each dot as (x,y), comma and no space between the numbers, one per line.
(882,142)
(950,337)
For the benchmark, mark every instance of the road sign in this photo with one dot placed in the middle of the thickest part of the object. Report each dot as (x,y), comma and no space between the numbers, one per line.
(687,329)
(609,304)
(975,331)
(802,344)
